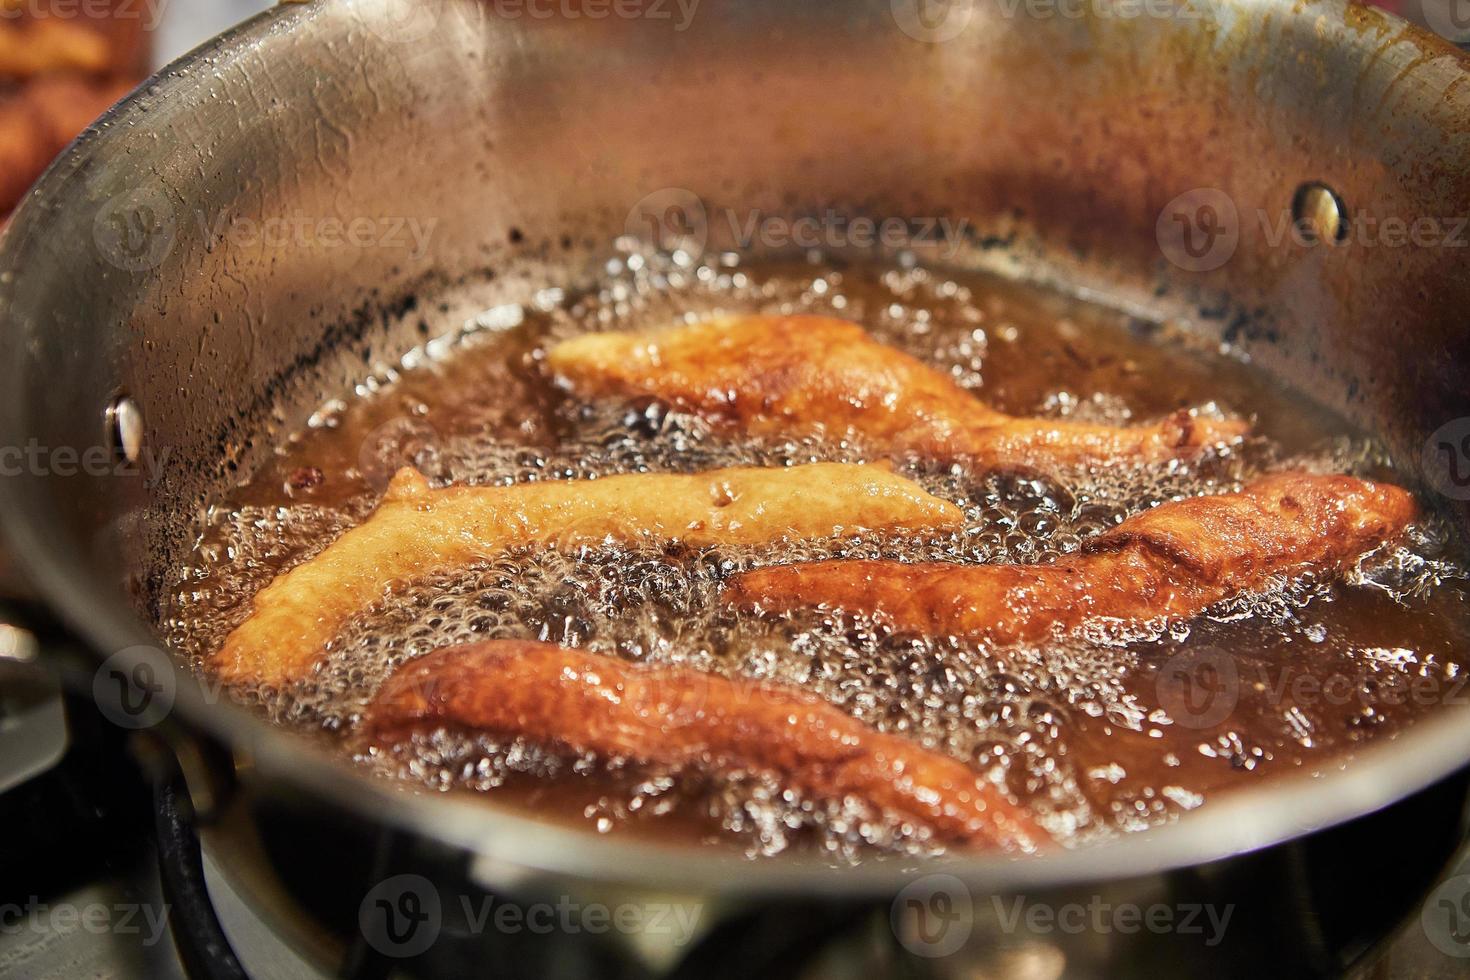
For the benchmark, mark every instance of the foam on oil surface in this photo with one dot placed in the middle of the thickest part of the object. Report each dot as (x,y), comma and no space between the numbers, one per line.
(1043,721)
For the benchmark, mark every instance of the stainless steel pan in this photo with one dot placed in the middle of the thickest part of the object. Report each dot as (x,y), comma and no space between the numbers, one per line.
(1088,147)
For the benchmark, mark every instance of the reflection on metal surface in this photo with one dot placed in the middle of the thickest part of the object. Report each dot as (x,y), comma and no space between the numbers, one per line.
(1319,214)
(17,645)
(32,725)
(125,429)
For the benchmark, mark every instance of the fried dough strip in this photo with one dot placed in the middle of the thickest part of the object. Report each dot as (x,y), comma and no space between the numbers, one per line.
(675,716)
(416,530)
(1170,562)
(771,375)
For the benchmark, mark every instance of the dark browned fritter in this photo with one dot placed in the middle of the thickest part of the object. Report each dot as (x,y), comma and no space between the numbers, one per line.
(676,716)
(1169,562)
(779,375)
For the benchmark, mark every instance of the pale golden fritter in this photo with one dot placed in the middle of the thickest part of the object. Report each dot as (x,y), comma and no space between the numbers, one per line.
(676,716)
(777,375)
(417,530)
(1169,562)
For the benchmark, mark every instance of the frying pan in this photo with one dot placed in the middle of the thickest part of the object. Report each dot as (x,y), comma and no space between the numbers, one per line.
(1141,155)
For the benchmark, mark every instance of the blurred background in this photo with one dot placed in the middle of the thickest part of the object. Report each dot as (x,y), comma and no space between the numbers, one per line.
(63,62)
(188,23)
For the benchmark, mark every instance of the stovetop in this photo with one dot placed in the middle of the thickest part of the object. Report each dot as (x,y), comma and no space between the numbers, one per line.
(80,885)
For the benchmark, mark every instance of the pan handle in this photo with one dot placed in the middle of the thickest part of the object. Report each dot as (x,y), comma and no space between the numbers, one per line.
(29,635)
(38,651)
(35,647)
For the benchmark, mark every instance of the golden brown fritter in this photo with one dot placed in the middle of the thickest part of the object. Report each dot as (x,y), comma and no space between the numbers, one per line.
(774,375)
(416,530)
(676,716)
(1169,562)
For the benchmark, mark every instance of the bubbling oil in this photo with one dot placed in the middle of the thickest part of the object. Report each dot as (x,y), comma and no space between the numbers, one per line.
(1089,731)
